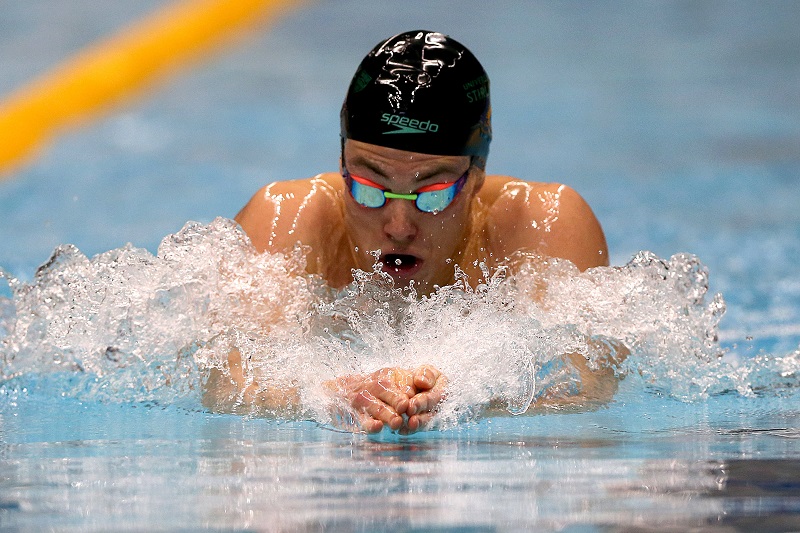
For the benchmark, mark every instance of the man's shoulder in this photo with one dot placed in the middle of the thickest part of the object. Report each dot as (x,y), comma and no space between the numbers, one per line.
(506,192)
(326,182)
(287,210)
(549,218)
(512,201)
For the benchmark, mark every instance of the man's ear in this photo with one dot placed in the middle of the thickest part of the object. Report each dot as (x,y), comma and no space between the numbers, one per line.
(341,156)
(478,171)
(479,176)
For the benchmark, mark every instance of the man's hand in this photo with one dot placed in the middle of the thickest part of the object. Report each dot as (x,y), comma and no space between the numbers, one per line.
(430,385)
(401,399)
(376,399)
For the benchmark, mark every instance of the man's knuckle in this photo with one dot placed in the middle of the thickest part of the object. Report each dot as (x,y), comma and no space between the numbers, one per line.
(362,399)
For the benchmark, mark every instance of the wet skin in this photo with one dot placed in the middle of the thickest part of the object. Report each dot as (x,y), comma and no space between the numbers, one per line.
(415,246)
(490,220)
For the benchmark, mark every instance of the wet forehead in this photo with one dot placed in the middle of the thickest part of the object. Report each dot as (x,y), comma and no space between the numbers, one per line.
(391,163)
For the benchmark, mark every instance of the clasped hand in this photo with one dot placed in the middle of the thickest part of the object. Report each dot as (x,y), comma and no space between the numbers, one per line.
(404,400)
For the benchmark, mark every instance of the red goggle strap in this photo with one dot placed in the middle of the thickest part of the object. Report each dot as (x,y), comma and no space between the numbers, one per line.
(427,188)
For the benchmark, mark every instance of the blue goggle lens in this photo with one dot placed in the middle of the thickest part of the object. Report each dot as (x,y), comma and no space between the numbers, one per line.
(366,195)
(435,201)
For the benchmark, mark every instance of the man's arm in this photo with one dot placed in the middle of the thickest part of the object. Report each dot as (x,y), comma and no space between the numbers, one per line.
(553,220)
(233,391)
(403,400)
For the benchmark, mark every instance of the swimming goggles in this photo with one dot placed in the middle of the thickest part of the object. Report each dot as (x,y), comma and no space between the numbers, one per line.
(429,199)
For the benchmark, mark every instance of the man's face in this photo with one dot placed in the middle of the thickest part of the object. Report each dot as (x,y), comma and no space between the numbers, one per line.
(414,245)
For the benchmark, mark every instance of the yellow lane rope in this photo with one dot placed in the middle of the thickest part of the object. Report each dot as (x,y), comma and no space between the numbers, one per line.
(109,70)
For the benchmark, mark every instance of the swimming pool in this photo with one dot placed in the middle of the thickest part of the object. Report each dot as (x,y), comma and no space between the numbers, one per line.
(680,124)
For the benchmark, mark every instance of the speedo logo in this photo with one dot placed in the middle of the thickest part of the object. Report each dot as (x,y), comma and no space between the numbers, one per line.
(408,125)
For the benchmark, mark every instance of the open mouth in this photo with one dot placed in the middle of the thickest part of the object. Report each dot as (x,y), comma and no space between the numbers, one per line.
(400,263)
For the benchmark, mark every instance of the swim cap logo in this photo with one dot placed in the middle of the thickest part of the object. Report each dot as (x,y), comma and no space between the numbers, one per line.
(360,81)
(408,125)
(477,89)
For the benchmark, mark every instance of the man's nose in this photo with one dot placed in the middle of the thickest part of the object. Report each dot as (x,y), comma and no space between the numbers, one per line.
(400,225)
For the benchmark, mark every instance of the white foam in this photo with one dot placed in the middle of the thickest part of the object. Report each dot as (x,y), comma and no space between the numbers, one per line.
(130,326)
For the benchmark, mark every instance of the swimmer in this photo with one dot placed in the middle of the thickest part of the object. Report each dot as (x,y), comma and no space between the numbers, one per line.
(412,191)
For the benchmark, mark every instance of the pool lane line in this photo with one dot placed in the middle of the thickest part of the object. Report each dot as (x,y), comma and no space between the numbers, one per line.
(112,69)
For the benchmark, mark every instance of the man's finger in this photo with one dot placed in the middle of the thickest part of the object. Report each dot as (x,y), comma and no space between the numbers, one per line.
(369,424)
(388,393)
(425,377)
(420,421)
(427,401)
(366,402)
(423,403)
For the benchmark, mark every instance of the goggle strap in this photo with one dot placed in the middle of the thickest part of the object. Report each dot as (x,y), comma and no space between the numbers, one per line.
(412,196)
(437,187)
(364,181)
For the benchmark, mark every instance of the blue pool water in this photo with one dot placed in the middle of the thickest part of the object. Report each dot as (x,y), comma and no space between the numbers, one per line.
(679,122)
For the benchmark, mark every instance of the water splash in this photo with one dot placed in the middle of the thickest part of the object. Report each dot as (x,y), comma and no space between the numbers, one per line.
(130,326)
(129,322)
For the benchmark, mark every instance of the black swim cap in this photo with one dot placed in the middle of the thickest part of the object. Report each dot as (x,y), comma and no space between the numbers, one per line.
(423,92)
